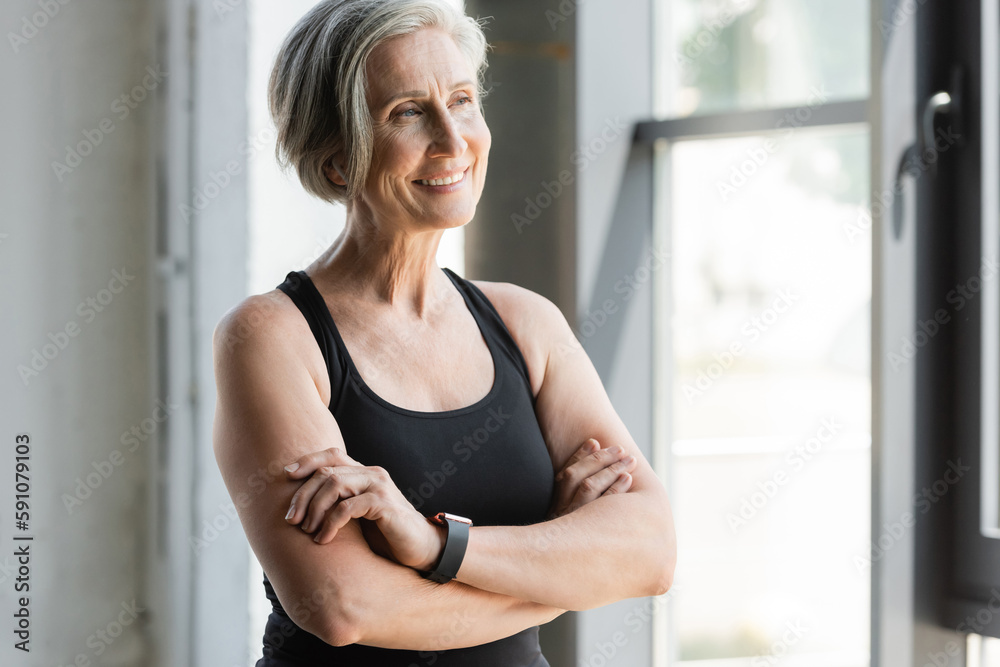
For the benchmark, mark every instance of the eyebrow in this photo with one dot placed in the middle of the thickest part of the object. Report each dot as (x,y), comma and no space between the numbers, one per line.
(419,93)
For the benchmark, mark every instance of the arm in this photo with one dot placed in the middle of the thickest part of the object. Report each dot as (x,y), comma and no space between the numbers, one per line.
(269,412)
(618,546)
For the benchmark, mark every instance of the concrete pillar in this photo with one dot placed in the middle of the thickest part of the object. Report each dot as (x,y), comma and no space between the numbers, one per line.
(523,228)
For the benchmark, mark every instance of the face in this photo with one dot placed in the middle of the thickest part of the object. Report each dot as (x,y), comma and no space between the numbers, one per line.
(427,128)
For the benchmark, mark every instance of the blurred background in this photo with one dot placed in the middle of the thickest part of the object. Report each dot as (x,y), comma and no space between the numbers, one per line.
(773,222)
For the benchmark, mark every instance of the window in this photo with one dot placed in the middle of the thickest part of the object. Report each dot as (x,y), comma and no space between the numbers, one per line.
(762,163)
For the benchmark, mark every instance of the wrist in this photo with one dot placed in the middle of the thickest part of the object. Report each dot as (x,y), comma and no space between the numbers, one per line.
(440,536)
(453,550)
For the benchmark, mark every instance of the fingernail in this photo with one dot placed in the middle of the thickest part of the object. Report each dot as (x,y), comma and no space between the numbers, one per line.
(292,467)
(291,511)
(316,539)
(629,460)
(593,444)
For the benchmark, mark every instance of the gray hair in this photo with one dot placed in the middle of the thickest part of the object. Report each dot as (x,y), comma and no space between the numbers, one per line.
(316,93)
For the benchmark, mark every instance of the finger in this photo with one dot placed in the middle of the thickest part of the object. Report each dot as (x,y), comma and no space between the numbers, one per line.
(364,506)
(299,504)
(343,482)
(597,484)
(588,447)
(621,485)
(594,462)
(302,500)
(309,463)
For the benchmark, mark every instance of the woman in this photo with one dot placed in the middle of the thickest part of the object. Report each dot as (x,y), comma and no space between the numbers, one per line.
(394,390)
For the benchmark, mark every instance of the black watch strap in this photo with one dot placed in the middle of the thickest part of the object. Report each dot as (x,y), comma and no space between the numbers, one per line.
(454,547)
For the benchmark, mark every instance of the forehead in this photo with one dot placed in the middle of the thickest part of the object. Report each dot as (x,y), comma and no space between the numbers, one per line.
(410,61)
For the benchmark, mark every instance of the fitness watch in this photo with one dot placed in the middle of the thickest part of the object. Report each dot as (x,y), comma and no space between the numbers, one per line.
(454,547)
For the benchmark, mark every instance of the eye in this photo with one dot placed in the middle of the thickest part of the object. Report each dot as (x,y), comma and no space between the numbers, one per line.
(465,98)
(403,113)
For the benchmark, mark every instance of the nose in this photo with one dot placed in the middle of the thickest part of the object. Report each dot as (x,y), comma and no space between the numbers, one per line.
(446,138)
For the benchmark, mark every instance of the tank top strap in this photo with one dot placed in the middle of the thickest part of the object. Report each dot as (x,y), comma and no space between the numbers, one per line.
(300,289)
(493,325)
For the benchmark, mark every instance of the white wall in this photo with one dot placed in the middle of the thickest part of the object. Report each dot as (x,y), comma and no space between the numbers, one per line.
(62,238)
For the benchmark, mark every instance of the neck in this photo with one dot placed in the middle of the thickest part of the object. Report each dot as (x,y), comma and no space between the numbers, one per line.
(385,266)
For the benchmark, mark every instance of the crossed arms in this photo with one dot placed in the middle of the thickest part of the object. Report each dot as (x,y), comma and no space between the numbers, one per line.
(270,413)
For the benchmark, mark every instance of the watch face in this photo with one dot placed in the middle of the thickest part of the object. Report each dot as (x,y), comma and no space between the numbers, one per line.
(454,517)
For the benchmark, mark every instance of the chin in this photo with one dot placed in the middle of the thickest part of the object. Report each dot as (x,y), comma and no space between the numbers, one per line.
(450,221)
(453,223)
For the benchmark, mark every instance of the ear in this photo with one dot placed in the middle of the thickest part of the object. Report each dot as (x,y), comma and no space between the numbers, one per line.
(333,173)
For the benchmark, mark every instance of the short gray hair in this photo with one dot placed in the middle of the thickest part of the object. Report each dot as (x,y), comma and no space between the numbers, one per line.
(316,93)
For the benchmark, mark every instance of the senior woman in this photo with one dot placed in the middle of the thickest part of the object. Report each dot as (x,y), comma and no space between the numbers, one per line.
(427,467)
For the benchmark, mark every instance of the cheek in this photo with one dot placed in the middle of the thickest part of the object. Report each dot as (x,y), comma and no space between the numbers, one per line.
(485,142)
(479,136)
(486,139)
(395,153)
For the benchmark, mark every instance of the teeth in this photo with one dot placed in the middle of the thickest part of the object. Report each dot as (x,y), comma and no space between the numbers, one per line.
(447,180)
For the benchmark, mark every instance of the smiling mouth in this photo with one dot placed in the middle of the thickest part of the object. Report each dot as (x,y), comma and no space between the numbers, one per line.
(447,180)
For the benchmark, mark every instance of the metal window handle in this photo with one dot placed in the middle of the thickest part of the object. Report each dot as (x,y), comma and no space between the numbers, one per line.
(942,103)
(939,103)
(908,156)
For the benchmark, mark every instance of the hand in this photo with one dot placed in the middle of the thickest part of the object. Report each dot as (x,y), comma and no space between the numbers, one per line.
(339,489)
(590,473)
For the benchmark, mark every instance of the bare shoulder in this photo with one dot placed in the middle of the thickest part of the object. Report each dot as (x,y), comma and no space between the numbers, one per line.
(263,328)
(258,320)
(534,321)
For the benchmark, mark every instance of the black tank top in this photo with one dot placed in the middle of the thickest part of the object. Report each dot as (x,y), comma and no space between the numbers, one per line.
(487,461)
